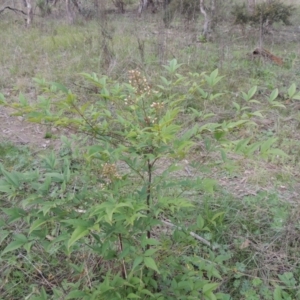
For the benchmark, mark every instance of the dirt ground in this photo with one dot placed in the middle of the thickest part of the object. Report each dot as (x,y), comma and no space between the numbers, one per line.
(19,132)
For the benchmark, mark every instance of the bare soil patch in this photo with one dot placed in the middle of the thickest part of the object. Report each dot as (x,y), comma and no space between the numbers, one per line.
(17,131)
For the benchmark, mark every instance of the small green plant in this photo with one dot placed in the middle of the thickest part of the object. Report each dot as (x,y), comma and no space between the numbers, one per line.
(132,124)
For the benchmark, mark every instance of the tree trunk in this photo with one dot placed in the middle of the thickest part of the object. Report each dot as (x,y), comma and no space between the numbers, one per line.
(29,12)
(96,6)
(207,19)
(251,6)
(76,5)
(213,10)
(69,11)
(261,32)
(143,5)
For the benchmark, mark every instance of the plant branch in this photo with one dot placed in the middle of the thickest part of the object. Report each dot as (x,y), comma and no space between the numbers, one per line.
(13,9)
(124,273)
(149,195)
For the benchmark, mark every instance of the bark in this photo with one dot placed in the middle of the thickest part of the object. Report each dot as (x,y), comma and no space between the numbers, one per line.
(213,9)
(143,5)
(69,11)
(29,12)
(96,5)
(120,5)
(261,32)
(207,19)
(251,6)
(76,5)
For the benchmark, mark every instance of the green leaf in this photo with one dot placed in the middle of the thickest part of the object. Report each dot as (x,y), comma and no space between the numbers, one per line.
(150,252)
(36,224)
(138,260)
(14,213)
(11,178)
(214,74)
(214,96)
(292,90)
(223,155)
(76,294)
(2,99)
(278,152)
(78,233)
(240,146)
(277,293)
(210,296)
(147,292)
(209,287)
(296,97)
(200,222)
(208,185)
(151,242)
(60,87)
(267,144)
(251,92)
(23,100)
(133,296)
(236,105)
(165,81)
(173,66)
(3,235)
(27,246)
(13,246)
(6,188)
(273,95)
(216,274)
(218,134)
(257,113)
(43,293)
(150,263)
(217,215)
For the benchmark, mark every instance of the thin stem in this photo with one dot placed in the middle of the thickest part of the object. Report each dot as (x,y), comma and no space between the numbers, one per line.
(124,272)
(149,195)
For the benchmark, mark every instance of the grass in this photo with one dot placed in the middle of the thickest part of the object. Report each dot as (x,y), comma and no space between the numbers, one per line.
(252,216)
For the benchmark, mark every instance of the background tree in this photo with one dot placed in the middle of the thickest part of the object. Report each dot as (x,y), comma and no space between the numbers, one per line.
(29,11)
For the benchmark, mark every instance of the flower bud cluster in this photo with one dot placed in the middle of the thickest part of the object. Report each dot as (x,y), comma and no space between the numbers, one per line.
(109,172)
(157,106)
(140,86)
(150,120)
(139,82)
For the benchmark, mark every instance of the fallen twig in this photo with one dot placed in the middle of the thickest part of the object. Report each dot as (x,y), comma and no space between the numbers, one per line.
(193,234)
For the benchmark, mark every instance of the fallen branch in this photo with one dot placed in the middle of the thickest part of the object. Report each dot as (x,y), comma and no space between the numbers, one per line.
(193,234)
